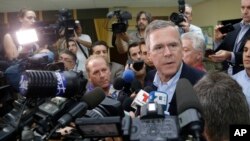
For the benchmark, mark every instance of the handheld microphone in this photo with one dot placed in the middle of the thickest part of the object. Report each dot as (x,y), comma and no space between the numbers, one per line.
(159,98)
(128,76)
(41,84)
(189,109)
(140,99)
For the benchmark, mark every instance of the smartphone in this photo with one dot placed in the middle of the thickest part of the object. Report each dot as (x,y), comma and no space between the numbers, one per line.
(226,28)
(209,52)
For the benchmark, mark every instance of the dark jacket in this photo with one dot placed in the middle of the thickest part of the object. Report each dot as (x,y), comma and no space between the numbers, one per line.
(191,74)
(228,44)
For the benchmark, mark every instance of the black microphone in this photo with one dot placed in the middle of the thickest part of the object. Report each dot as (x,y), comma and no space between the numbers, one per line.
(42,84)
(135,86)
(126,105)
(118,83)
(189,109)
(90,101)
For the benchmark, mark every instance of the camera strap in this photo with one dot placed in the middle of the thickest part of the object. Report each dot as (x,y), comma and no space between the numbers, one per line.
(84,53)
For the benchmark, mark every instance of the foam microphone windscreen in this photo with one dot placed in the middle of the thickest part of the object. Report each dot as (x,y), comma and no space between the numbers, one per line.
(118,83)
(126,105)
(148,89)
(94,97)
(186,97)
(136,86)
(128,76)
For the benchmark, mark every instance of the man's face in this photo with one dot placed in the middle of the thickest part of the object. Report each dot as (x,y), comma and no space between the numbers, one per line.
(245,10)
(144,55)
(72,47)
(135,53)
(165,51)
(99,73)
(246,56)
(68,61)
(190,55)
(188,13)
(142,23)
(100,50)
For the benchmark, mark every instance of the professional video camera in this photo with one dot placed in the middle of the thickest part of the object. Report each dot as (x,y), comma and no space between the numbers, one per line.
(177,18)
(122,20)
(66,23)
(152,125)
(64,26)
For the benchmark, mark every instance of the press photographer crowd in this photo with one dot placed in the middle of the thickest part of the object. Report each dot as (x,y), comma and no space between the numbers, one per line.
(56,84)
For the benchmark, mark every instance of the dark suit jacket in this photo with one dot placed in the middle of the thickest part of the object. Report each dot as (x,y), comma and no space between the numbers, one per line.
(116,70)
(191,74)
(228,44)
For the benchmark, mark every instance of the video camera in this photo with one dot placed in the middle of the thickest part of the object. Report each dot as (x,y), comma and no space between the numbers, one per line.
(177,18)
(122,20)
(64,26)
(152,125)
(66,22)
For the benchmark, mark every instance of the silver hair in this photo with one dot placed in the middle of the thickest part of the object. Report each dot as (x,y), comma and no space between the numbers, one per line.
(197,41)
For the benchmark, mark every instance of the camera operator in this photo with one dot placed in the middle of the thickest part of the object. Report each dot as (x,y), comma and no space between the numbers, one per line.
(192,28)
(123,39)
(11,46)
(84,44)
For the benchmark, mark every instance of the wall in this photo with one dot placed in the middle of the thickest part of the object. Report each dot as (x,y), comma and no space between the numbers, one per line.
(204,14)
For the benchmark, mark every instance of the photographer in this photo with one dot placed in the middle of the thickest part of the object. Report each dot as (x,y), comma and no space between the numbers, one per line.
(83,42)
(229,46)
(135,58)
(11,46)
(192,28)
(123,39)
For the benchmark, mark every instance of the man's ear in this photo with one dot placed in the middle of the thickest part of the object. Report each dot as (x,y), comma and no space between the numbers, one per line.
(149,56)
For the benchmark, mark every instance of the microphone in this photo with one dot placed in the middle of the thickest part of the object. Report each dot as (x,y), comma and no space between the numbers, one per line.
(124,81)
(136,86)
(42,84)
(126,105)
(140,99)
(90,101)
(118,83)
(159,97)
(128,76)
(189,109)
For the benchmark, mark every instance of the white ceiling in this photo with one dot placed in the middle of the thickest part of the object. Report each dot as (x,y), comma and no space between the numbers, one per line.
(16,5)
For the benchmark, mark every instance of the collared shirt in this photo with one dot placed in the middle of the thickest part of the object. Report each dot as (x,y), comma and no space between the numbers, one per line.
(167,87)
(113,93)
(244,80)
(135,37)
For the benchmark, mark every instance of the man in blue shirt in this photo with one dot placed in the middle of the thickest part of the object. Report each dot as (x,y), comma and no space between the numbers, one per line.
(243,77)
(166,55)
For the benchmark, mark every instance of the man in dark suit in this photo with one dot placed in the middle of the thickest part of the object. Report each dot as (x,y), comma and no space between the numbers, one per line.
(229,46)
(165,50)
